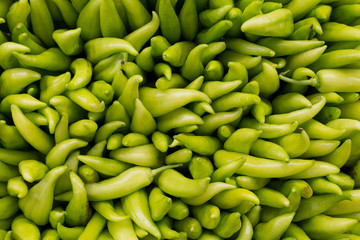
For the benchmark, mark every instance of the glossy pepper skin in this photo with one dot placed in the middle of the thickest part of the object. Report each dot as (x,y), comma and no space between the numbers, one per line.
(37,204)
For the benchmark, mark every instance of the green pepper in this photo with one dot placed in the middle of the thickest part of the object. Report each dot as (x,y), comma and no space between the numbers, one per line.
(229,224)
(188,18)
(100,48)
(122,229)
(137,13)
(136,177)
(176,184)
(69,41)
(69,233)
(9,207)
(137,207)
(140,36)
(190,226)
(13,81)
(230,198)
(324,226)
(94,227)
(22,227)
(274,228)
(278,23)
(37,204)
(214,33)
(42,22)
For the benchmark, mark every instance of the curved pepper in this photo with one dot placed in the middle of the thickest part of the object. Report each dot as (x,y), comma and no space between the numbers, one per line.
(212,51)
(165,227)
(289,102)
(300,116)
(284,47)
(178,118)
(37,204)
(343,180)
(69,233)
(11,138)
(7,58)
(349,205)
(251,10)
(78,211)
(213,71)
(177,53)
(319,148)
(85,99)
(224,201)
(18,13)
(100,48)
(249,48)
(193,66)
(28,130)
(259,167)
(58,154)
(143,155)
(269,130)
(227,170)
(267,149)
(274,228)
(139,37)
(94,227)
(52,59)
(209,17)
(123,229)
(176,184)
(334,32)
(229,224)
(69,41)
(106,166)
(248,61)
(145,59)
(84,130)
(137,207)
(135,177)
(318,204)
(268,24)
(160,102)
(322,226)
(159,204)
(214,33)
(14,80)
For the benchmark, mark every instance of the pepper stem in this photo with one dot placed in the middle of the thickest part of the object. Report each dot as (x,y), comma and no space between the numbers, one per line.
(160,169)
(312,81)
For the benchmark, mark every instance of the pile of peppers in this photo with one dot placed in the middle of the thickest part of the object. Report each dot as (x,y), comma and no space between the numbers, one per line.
(180,119)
